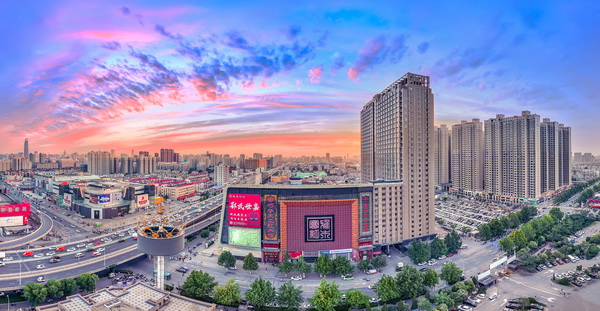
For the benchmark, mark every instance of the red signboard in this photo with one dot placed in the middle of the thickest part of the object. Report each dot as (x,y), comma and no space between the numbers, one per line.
(271,219)
(365,214)
(8,210)
(244,210)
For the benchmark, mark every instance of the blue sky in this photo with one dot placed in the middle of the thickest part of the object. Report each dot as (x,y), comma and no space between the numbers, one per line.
(266,76)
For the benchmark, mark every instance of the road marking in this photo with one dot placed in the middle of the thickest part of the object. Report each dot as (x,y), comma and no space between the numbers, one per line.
(541,290)
(549,299)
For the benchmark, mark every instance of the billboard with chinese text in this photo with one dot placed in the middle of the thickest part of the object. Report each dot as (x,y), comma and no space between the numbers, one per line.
(142,200)
(319,228)
(270,218)
(365,214)
(244,236)
(68,199)
(244,210)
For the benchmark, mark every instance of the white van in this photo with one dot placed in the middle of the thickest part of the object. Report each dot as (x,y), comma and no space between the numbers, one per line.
(372,271)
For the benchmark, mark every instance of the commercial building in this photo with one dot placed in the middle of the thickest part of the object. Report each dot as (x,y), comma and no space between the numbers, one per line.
(397,144)
(221,175)
(13,213)
(467,157)
(441,155)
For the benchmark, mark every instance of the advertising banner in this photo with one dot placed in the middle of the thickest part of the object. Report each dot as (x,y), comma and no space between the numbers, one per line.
(270,218)
(243,236)
(365,215)
(319,228)
(11,221)
(142,200)
(244,210)
(117,197)
(68,199)
(93,198)
(104,198)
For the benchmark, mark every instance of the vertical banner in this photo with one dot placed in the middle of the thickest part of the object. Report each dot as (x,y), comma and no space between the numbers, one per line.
(365,214)
(270,218)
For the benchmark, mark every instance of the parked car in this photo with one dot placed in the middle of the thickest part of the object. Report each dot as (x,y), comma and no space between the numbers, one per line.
(296,278)
(41,279)
(347,277)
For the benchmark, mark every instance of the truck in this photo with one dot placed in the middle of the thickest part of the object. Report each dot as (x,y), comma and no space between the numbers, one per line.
(399,266)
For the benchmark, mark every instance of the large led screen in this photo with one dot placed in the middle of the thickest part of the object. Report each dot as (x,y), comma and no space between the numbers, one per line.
(246,237)
(319,228)
(244,210)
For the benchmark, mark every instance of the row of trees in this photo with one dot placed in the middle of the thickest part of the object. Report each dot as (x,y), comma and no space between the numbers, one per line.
(587,193)
(37,293)
(567,194)
(419,251)
(498,226)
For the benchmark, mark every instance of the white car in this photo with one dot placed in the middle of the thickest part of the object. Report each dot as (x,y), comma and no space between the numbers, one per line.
(493,296)
(8,258)
(38,255)
(101,249)
(296,278)
(442,257)
(81,245)
(464,308)
(41,279)
(432,262)
(51,253)
(2,264)
(79,255)
(71,249)
(40,267)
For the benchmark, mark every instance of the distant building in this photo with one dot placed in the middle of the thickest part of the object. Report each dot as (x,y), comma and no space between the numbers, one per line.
(26,148)
(221,175)
(99,163)
(441,155)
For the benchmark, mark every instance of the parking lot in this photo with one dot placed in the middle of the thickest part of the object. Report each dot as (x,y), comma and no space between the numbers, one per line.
(469,213)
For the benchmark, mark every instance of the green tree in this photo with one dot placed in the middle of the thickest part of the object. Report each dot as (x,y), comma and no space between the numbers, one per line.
(513,220)
(290,297)
(415,304)
(204,233)
(443,298)
(507,244)
(357,299)
(342,266)
(69,286)
(410,282)
(229,294)
(557,213)
(226,260)
(518,237)
(324,265)
(430,278)
(592,252)
(327,295)
(459,295)
(451,273)
(286,266)
(533,245)
(485,232)
(87,281)
(303,267)
(379,262)
(260,293)
(387,288)
(441,307)
(438,248)
(54,289)
(453,242)
(424,305)
(212,228)
(364,265)
(528,231)
(250,263)
(419,252)
(199,285)
(35,293)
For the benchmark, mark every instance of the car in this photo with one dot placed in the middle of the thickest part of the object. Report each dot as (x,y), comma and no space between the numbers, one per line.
(81,245)
(442,257)
(587,277)
(97,243)
(539,268)
(493,296)
(52,253)
(72,226)
(55,260)
(61,248)
(296,278)
(96,254)
(121,234)
(79,255)
(41,279)
(183,269)
(38,255)
(40,267)
(450,255)
(576,283)
(432,262)
(422,264)
(89,250)
(581,279)
(347,277)
(506,273)
(78,231)
(481,296)
(374,300)
(71,249)
(51,248)
(234,268)
(470,303)
(100,249)
(28,254)
(121,240)
(135,238)
(464,308)
(474,299)
(2,264)
(89,245)
(372,271)
(560,262)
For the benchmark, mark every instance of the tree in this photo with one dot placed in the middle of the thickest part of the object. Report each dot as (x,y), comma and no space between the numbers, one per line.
(557,213)
(204,233)
(199,285)
(451,273)
(518,237)
(87,281)
(250,263)
(364,265)
(54,289)
(379,262)
(424,304)
(592,252)
(528,231)
(507,244)
(513,220)
(212,228)
(35,293)
(290,297)
(418,251)
(438,248)
(229,294)
(443,298)
(303,267)
(226,260)
(261,293)
(387,288)
(357,299)
(453,242)
(430,278)
(69,286)
(327,296)
(324,265)
(286,266)
(342,266)
(410,282)
(485,232)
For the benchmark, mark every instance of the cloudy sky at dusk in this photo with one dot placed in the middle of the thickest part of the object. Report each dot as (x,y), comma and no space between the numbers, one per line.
(262,76)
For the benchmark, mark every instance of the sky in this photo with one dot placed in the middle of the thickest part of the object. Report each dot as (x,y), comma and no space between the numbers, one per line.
(279,78)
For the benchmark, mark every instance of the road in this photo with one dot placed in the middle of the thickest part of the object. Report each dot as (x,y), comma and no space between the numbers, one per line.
(46,225)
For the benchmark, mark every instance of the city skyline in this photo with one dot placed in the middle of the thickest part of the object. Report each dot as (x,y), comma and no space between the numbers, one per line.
(145,76)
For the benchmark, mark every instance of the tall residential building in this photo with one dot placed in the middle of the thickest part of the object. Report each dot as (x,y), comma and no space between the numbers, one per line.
(565,164)
(167,155)
(257,156)
(26,149)
(397,144)
(221,174)
(467,156)
(99,163)
(577,157)
(588,157)
(512,157)
(549,153)
(441,155)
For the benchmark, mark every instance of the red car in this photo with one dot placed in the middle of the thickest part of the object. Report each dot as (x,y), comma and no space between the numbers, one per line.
(135,238)
(27,254)
(98,243)
(60,248)
(96,254)
(450,255)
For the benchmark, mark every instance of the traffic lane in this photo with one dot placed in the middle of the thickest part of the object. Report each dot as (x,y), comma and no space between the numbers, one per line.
(47,225)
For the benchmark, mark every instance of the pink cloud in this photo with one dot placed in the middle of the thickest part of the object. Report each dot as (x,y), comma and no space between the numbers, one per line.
(315,74)
(107,35)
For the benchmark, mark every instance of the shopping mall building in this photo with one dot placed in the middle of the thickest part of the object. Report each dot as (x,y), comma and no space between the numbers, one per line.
(351,220)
